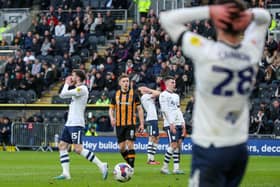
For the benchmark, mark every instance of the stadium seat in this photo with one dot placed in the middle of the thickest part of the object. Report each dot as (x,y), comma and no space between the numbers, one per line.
(75,60)
(31,95)
(84,55)
(3,97)
(58,59)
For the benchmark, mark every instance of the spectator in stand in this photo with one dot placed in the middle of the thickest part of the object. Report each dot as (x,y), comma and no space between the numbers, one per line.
(166,45)
(122,54)
(271,44)
(135,33)
(147,59)
(18,39)
(27,82)
(175,70)
(111,83)
(78,25)
(66,66)
(95,60)
(5,131)
(38,84)
(143,8)
(54,48)
(10,65)
(28,56)
(72,49)
(165,70)
(7,82)
(110,66)
(99,82)
(178,59)
(42,27)
(60,29)
(45,48)
(82,42)
(146,75)
(48,75)
(51,19)
(60,15)
(28,40)
(157,67)
(274,114)
(109,23)
(36,46)
(36,67)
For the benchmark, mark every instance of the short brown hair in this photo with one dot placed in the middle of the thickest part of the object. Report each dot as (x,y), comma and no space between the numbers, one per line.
(122,76)
(240,5)
(168,78)
(80,74)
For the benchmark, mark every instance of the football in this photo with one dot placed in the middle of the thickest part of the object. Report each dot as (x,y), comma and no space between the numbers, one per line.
(123,172)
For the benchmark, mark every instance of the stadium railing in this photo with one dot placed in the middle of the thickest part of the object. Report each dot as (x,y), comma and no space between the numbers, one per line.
(38,136)
(41,136)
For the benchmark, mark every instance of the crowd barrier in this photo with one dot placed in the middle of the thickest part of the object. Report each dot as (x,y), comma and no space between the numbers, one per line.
(37,136)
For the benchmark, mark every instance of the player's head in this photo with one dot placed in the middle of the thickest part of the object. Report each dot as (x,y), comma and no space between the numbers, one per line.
(170,83)
(124,82)
(241,6)
(78,76)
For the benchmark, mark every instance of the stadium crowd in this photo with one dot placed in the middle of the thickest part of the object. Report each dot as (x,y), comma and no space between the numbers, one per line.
(60,41)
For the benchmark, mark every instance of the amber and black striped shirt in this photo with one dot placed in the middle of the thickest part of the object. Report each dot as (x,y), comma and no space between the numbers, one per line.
(125,105)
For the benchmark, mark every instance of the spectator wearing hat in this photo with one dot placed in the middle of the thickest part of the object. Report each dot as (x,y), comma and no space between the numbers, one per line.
(103,100)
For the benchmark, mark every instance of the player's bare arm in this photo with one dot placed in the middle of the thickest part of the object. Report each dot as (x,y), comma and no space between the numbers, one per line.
(141,118)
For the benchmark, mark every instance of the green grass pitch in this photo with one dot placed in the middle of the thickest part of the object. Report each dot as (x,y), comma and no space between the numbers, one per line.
(36,169)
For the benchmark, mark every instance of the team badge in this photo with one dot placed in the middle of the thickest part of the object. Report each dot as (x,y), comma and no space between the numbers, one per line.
(195,41)
(79,89)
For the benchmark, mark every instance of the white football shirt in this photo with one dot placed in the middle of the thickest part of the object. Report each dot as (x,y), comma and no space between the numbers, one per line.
(170,107)
(77,106)
(225,76)
(149,106)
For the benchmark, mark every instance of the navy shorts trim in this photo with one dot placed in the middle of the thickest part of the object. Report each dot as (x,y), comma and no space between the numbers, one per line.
(218,167)
(174,137)
(152,128)
(72,135)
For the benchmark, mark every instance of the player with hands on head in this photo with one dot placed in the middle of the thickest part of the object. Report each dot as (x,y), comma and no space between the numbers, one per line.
(74,128)
(225,73)
(148,97)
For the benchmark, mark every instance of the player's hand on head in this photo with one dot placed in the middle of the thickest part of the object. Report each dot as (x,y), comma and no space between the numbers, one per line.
(221,15)
(69,80)
(242,21)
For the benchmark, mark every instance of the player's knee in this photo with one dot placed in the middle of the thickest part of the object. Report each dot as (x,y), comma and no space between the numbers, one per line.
(62,146)
(78,149)
(130,145)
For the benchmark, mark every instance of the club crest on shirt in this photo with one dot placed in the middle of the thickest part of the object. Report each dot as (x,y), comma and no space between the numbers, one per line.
(195,41)
(79,89)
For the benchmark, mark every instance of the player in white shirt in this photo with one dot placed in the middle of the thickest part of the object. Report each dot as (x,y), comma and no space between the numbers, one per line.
(174,125)
(75,124)
(148,102)
(225,73)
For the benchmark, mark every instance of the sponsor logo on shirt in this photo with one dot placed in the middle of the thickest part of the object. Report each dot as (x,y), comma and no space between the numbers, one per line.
(195,41)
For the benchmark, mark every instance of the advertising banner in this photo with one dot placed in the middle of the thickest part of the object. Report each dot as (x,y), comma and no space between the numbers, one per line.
(269,147)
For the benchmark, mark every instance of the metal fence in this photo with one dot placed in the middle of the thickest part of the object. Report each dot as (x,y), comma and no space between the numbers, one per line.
(37,136)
